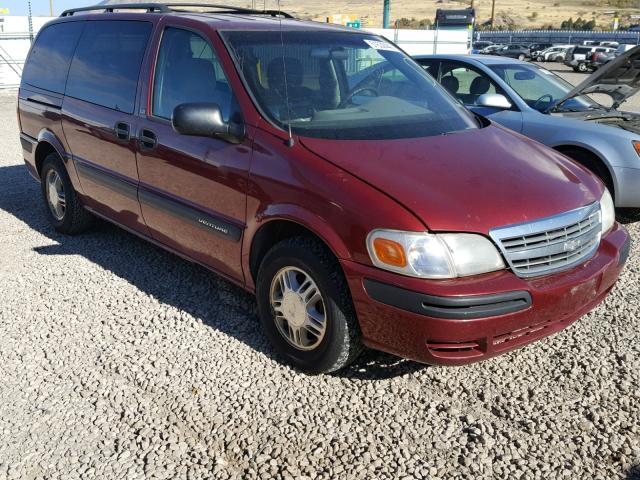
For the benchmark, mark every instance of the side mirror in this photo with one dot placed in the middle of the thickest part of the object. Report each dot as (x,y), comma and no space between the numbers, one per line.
(205,120)
(493,100)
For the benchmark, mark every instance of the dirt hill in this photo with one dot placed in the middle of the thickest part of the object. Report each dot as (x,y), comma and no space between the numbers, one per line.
(521,14)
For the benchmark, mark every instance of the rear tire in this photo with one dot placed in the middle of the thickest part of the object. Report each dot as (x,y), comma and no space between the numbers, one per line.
(582,67)
(65,211)
(521,57)
(323,341)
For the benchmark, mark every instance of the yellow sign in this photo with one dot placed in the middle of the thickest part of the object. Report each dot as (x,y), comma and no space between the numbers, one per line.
(342,19)
(4,11)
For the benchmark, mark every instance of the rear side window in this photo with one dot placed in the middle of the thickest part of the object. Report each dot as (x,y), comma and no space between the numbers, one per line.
(50,56)
(107,63)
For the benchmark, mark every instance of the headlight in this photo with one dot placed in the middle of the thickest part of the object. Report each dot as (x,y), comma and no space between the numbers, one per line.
(607,212)
(427,255)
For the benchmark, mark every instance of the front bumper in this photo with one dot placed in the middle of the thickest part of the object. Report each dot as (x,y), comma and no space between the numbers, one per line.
(413,318)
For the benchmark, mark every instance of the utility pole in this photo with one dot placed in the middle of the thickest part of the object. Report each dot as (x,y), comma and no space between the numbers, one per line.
(51,8)
(493,14)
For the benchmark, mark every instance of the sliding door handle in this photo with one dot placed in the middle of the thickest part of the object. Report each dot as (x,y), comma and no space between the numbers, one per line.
(148,139)
(123,131)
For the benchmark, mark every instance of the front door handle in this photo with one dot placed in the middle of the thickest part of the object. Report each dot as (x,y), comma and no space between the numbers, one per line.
(148,139)
(123,131)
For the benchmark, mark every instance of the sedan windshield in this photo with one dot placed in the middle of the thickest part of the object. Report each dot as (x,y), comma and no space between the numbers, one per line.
(342,85)
(540,88)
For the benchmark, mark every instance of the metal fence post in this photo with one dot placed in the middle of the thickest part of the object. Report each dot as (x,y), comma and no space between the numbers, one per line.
(30,22)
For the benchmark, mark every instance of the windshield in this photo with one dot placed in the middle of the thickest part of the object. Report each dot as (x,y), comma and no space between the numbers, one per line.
(343,85)
(540,88)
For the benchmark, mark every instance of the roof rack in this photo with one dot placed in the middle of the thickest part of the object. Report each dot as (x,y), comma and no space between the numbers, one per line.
(175,7)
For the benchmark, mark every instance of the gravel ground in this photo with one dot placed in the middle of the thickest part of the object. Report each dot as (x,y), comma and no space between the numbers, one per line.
(118,360)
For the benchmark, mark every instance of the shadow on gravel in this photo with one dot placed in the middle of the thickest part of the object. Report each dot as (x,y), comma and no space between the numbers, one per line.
(166,277)
(374,365)
(634,473)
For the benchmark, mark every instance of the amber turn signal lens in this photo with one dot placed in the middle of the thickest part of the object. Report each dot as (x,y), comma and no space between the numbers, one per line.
(636,145)
(390,252)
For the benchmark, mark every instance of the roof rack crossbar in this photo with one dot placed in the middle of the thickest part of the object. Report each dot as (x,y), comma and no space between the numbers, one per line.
(172,7)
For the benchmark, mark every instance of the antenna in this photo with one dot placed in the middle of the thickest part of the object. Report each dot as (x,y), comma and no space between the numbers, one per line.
(289,142)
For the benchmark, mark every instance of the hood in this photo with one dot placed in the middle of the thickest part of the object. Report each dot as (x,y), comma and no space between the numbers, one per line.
(470,181)
(620,79)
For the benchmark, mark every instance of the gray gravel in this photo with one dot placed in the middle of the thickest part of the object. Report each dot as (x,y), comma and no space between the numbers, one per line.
(118,360)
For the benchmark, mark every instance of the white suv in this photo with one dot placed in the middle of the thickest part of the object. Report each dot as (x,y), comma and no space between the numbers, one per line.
(579,57)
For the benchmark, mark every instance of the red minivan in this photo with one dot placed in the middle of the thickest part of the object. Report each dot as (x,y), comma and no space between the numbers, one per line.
(322,169)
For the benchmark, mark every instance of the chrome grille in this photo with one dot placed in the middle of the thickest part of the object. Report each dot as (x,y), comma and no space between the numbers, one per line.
(551,244)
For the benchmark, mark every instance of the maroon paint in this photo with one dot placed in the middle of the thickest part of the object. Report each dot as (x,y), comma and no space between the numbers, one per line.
(341,190)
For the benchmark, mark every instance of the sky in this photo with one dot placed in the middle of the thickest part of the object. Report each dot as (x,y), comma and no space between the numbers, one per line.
(41,7)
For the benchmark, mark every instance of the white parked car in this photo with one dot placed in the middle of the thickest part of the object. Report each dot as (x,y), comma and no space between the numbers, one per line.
(551,54)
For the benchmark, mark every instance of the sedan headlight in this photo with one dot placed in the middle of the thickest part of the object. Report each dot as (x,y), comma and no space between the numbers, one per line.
(427,255)
(607,212)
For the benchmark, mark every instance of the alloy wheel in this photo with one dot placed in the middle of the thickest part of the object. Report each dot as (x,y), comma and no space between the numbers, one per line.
(55,194)
(299,308)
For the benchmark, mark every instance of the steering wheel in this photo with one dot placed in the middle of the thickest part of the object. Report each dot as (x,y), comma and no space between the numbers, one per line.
(546,95)
(357,91)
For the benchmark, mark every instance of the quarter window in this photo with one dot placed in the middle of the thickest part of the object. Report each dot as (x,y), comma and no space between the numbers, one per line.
(189,71)
(49,60)
(107,63)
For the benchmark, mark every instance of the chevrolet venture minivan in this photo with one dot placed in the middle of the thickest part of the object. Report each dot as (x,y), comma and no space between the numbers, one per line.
(363,206)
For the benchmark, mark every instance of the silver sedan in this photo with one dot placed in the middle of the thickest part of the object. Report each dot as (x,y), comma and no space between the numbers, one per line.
(541,105)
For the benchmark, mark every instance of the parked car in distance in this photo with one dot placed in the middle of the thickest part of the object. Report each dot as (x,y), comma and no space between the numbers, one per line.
(551,54)
(491,48)
(539,104)
(521,52)
(479,45)
(598,60)
(322,169)
(536,48)
(579,57)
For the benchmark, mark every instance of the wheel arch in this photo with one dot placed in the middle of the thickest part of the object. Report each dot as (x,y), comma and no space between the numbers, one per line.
(606,169)
(280,227)
(47,143)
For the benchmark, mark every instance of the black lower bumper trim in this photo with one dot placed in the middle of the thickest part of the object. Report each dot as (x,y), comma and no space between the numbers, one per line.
(451,308)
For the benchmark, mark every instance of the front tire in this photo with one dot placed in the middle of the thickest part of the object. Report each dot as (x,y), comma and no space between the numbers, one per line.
(66,213)
(305,306)
(582,67)
(628,215)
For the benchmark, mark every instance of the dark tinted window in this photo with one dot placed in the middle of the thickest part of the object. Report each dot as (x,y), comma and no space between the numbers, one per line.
(50,57)
(188,71)
(107,63)
(430,66)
